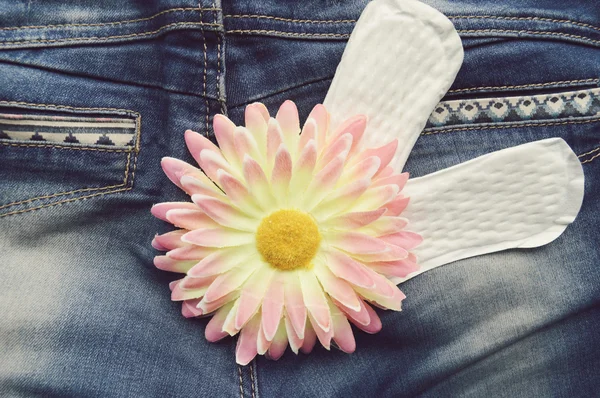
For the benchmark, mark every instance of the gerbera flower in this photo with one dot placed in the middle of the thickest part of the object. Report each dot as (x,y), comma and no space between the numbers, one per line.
(291,234)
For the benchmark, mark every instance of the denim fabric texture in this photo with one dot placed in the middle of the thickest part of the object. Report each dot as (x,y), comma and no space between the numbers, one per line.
(83,311)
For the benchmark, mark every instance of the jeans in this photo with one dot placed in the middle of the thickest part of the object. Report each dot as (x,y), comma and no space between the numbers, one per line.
(85,313)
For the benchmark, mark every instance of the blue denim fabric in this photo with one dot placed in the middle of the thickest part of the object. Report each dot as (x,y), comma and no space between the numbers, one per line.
(85,313)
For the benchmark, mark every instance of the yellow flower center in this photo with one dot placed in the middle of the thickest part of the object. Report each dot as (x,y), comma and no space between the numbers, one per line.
(288,239)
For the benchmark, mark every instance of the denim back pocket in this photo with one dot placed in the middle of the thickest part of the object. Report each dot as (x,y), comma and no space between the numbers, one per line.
(52,155)
(459,130)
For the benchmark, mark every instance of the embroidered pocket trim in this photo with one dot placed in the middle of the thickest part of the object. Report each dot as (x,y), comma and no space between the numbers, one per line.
(572,104)
(114,132)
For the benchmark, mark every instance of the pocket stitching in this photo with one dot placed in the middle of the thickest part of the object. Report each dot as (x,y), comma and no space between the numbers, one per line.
(589,153)
(508,125)
(125,186)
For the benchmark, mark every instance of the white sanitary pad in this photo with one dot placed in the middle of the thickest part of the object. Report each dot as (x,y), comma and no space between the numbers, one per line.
(401,59)
(524,196)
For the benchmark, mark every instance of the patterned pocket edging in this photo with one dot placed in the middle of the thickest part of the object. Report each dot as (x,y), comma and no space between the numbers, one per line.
(544,107)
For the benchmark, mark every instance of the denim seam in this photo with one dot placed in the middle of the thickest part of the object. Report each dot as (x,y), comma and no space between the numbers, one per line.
(288,34)
(79,39)
(204,52)
(310,21)
(109,23)
(506,126)
(59,146)
(220,96)
(241,383)
(65,201)
(533,85)
(252,380)
(125,186)
(589,153)
(591,159)
(531,32)
(464,31)
(566,21)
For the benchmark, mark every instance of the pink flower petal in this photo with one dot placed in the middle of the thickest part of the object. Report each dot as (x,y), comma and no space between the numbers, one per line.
(310,338)
(315,301)
(366,168)
(396,206)
(190,219)
(245,143)
(279,344)
(256,123)
(405,239)
(208,307)
(392,253)
(246,348)
(309,132)
(385,153)
(196,143)
(223,213)
(295,341)
(223,128)
(360,317)
(287,116)
(355,126)
(192,283)
(321,117)
(374,324)
(171,240)
(160,210)
(262,109)
(192,185)
(229,323)
(397,179)
(354,220)
(381,296)
(214,329)
(274,139)
(349,269)
(323,182)
(337,288)
(398,268)
(340,199)
(190,252)
(168,264)
(180,294)
(227,283)
(257,182)
(252,295)
(323,335)
(356,242)
(189,310)
(294,304)
(282,171)
(175,169)
(211,162)
(375,198)
(303,169)
(342,331)
(218,262)
(385,225)
(272,307)
(262,344)
(218,237)
(340,147)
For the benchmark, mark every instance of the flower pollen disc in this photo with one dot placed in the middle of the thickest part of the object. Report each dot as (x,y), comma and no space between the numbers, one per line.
(288,239)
